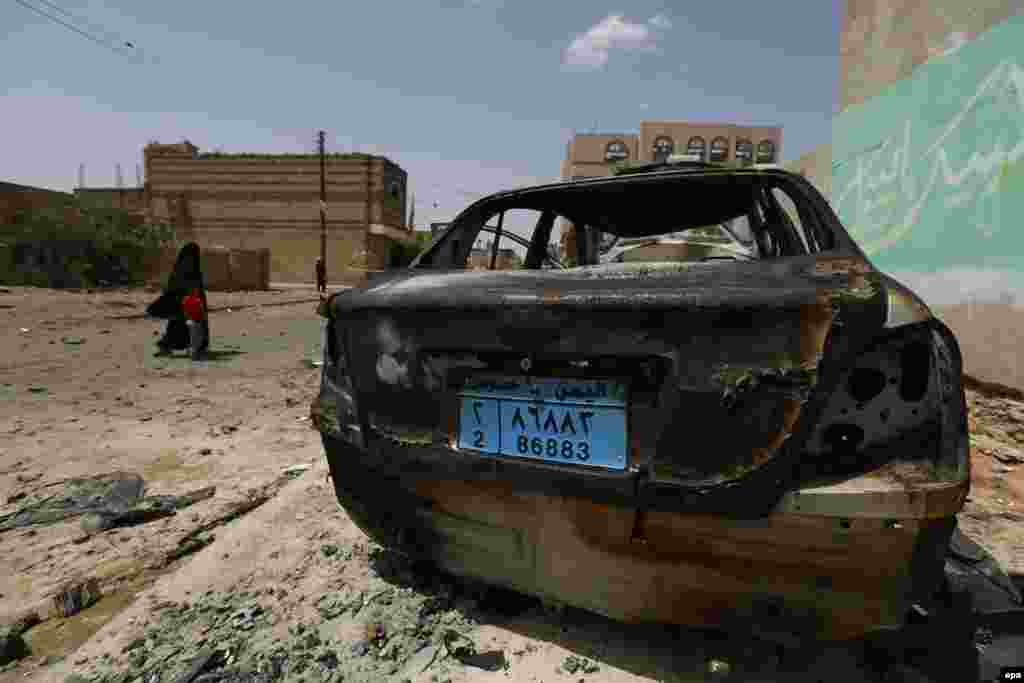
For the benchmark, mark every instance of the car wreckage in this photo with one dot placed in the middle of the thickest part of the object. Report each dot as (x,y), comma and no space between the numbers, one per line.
(766,432)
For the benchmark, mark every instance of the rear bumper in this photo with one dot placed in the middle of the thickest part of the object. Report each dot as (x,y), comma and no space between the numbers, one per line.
(589,543)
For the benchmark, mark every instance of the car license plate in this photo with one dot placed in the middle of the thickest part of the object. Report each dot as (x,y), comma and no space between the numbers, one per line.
(567,421)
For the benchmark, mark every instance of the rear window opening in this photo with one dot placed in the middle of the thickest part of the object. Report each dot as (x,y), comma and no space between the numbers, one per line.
(656,219)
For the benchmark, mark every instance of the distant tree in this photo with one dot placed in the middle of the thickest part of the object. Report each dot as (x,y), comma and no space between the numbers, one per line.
(110,245)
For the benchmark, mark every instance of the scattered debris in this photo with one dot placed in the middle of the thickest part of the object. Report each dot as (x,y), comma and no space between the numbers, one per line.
(463,650)
(114,491)
(144,510)
(574,664)
(295,470)
(719,668)
(12,645)
(76,596)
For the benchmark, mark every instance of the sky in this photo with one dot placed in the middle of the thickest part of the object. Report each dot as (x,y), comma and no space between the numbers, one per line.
(468,96)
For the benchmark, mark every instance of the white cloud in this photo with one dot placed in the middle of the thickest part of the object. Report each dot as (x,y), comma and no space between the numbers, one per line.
(660,21)
(592,49)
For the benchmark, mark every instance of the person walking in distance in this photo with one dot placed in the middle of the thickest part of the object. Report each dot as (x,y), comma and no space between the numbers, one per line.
(183,305)
(321,276)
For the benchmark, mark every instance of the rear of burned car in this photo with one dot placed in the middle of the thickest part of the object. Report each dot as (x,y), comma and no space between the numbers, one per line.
(777,441)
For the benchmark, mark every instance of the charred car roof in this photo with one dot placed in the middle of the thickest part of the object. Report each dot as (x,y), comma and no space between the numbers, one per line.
(633,204)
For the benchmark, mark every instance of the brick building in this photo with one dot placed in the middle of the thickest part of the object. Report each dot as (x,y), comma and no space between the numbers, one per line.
(270,201)
(593,155)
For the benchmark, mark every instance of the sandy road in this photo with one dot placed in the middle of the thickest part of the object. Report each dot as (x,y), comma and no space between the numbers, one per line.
(81,394)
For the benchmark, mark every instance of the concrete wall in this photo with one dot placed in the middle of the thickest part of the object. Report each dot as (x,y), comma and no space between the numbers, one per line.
(883,41)
(928,170)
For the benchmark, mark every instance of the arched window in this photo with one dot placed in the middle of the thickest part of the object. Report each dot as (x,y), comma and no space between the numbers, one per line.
(765,152)
(719,149)
(695,147)
(663,148)
(616,151)
(744,150)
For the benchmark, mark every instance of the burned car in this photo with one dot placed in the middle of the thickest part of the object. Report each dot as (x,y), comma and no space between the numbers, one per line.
(773,435)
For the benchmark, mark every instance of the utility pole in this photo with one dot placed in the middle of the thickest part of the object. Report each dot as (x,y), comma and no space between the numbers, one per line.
(323,201)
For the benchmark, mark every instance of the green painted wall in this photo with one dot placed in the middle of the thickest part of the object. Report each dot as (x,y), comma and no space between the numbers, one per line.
(929,174)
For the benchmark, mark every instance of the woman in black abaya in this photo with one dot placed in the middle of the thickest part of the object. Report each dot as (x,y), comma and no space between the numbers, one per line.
(181,333)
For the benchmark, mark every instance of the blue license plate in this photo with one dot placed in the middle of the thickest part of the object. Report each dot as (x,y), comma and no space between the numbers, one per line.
(565,421)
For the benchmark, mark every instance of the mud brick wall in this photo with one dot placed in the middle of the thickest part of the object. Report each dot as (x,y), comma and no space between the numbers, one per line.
(272,202)
(224,270)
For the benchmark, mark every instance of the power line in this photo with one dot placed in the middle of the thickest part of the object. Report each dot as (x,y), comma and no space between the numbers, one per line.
(74,28)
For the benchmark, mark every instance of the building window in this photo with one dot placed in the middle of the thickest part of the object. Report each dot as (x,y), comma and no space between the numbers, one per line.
(695,148)
(663,148)
(765,152)
(744,150)
(719,149)
(616,151)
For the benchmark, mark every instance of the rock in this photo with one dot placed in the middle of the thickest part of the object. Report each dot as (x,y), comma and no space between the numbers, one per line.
(74,341)
(16,497)
(205,451)
(329,549)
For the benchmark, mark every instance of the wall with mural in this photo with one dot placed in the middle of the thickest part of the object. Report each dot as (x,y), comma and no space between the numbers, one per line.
(928,175)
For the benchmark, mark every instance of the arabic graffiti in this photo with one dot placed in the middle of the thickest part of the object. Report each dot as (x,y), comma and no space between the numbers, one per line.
(930,174)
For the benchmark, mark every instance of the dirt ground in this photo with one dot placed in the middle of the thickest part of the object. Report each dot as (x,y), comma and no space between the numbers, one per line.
(81,394)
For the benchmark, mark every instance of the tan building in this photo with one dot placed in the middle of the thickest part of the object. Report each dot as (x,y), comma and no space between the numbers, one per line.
(591,155)
(252,201)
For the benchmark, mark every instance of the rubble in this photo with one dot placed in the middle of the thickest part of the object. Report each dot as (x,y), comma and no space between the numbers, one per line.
(76,596)
(12,645)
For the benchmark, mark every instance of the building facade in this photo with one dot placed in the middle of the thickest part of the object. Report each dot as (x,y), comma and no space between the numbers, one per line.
(252,201)
(590,155)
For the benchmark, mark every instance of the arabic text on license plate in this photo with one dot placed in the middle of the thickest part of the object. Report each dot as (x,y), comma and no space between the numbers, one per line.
(586,427)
